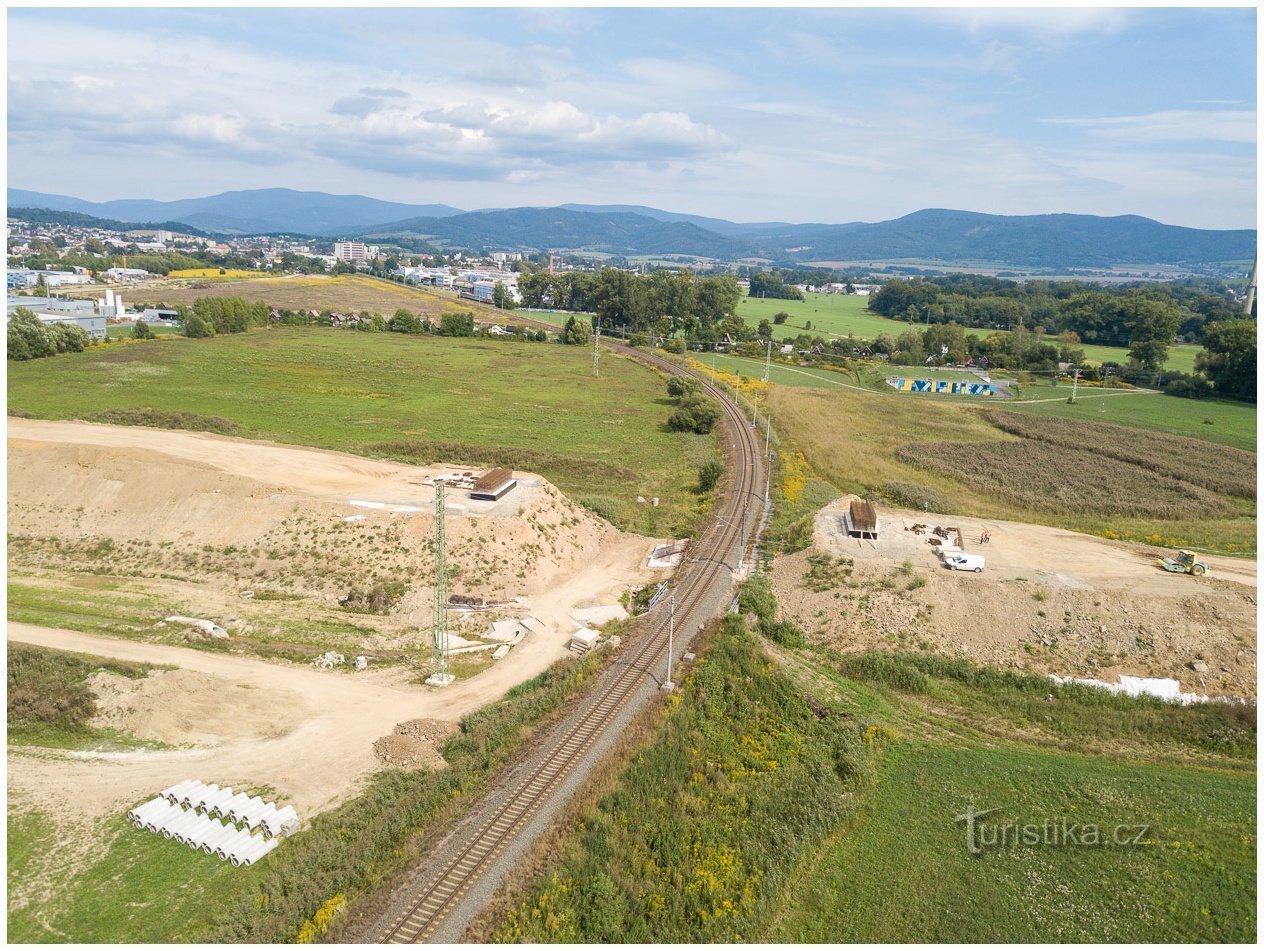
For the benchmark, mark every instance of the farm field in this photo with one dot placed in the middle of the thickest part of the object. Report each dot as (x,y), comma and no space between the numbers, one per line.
(535,405)
(341,292)
(861,442)
(786,795)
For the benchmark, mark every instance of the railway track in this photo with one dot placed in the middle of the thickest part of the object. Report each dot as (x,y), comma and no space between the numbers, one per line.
(705,573)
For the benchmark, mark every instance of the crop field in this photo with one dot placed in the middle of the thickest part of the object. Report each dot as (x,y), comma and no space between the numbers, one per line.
(806,799)
(1219,468)
(1040,476)
(532,406)
(853,439)
(215,272)
(341,293)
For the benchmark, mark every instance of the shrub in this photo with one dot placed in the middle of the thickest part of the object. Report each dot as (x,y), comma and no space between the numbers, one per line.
(166,419)
(695,413)
(456,325)
(679,386)
(141,331)
(379,599)
(709,474)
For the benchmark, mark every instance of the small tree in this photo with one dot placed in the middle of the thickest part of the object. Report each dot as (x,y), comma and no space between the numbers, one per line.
(576,332)
(195,326)
(404,322)
(28,337)
(141,331)
(501,296)
(780,317)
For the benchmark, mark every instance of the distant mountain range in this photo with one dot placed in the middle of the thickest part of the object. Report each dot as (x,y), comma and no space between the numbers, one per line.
(257,211)
(932,235)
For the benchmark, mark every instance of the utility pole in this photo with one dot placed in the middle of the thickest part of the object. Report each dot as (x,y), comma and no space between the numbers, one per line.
(1075,383)
(668,684)
(442,676)
(1250,290)
(755,415)
(767,359)
(768,435)
(597,351)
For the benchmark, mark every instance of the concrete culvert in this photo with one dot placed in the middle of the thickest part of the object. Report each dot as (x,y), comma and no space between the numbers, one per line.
(235,842)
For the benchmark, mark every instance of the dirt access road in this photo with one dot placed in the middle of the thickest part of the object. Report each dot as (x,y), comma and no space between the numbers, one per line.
(335,718)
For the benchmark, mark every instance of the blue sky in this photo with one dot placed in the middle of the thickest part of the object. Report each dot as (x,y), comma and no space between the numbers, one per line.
(746,114)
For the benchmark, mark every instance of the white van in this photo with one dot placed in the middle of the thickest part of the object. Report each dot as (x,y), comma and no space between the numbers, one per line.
(964,562)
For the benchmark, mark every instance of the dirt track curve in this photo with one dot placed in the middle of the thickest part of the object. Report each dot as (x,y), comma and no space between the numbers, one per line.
(447,889)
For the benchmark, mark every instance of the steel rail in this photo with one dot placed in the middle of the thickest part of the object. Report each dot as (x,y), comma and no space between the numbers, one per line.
(703,571)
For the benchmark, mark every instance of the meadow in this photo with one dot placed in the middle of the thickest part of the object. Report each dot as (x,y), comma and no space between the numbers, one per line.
(794,796)
(839,315)
(417,399)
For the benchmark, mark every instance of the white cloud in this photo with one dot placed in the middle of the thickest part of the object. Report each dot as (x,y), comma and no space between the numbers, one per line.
(1173,125)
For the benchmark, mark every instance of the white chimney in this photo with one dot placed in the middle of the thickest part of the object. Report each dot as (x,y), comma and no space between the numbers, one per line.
(118,305)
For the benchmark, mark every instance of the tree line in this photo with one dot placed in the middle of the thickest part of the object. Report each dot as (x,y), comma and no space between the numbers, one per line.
(660,303)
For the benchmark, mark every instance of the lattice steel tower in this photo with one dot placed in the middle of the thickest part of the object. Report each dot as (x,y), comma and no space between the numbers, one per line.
(442,676)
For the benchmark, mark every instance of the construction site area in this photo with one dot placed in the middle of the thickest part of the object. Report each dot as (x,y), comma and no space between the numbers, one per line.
(287,595)
(1043,599)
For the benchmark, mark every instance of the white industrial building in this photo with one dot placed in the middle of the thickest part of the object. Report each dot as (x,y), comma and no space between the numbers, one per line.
(354,252)
(54,310)
(126,274)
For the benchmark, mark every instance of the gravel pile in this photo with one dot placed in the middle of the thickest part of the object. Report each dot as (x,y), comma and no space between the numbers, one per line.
(414,744)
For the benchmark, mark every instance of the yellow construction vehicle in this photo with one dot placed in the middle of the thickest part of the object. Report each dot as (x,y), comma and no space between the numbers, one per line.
(1185,562)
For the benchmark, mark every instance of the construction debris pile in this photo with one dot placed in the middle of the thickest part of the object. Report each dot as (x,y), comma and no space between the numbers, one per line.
(415,744)
(207,817)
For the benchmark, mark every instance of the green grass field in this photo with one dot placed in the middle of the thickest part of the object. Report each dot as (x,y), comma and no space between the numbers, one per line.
(602,441)
(807,798)
(900,871)
(1220,421)
(829,314)
(839,315)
